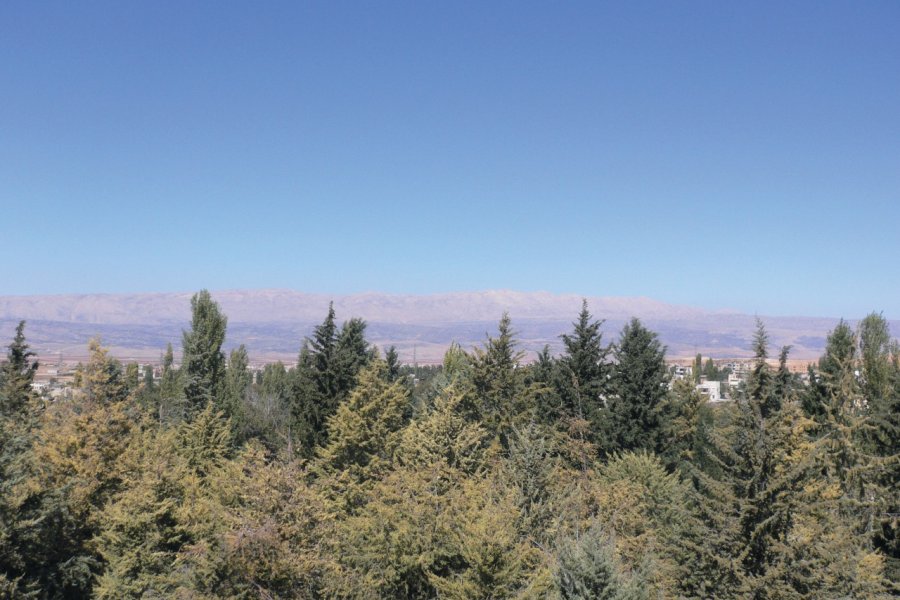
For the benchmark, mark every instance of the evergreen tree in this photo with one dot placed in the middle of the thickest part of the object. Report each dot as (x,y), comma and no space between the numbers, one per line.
(63,479)
(392,359)
(203,362)
(881,389)
(352,353)
(132,378)
(778,524)
(638,410)
(710,371)
(103,380)
(583,377)
(17,375)
(237,383)
(326,372)
(18,416)
(587,569)
(499,384)
(171,392)
(365,431)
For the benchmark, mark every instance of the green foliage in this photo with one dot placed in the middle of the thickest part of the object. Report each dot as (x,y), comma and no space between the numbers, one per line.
(237,382)
(16,375)
(580,378)
(587,569)
(392,359)
(638,409)
(342,479)
(171,391)
(499,384)
(203,362)
(326,372)
(364,434)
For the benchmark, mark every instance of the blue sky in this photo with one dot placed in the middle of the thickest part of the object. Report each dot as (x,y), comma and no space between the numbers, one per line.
(739,155)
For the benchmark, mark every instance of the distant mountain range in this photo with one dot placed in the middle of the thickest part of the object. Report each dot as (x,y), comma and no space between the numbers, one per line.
(273,323)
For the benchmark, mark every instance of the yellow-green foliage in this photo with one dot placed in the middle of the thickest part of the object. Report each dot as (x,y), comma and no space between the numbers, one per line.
(460,491)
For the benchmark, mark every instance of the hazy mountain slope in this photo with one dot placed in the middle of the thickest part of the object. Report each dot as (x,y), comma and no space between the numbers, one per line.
(272,323)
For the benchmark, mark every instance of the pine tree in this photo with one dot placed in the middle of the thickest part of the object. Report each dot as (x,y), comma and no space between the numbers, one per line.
(775,499)
(491,558)
(400,536)
(352,353)
(203,362)
(638,410)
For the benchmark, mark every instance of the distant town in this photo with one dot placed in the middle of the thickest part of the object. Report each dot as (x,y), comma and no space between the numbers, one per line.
(718,379)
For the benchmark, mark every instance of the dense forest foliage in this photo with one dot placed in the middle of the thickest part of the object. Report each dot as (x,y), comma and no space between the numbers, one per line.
(587,475)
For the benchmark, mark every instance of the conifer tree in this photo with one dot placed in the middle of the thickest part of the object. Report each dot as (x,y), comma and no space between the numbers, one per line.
(237,383)
(779,524)
(17,375)
(392,359)
(326,371)
(583,378)
(103,380)
(64,479)
(881,389)
(499,384)
(638,408)
(131,378)
(587,569)
(171,392)
(364,434)
(203,362)
(18,418)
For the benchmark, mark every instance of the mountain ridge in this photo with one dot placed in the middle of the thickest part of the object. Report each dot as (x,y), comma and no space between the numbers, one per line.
(273,321)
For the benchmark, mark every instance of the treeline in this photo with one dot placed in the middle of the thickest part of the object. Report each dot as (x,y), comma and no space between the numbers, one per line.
(579,476)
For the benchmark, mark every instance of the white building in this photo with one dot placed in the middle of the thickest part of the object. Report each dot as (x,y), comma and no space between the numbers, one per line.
(713,389)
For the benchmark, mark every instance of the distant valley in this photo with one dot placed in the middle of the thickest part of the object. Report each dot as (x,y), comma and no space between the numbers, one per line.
(273,323)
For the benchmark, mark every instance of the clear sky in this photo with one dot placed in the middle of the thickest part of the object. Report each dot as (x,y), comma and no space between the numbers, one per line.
(718,154)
